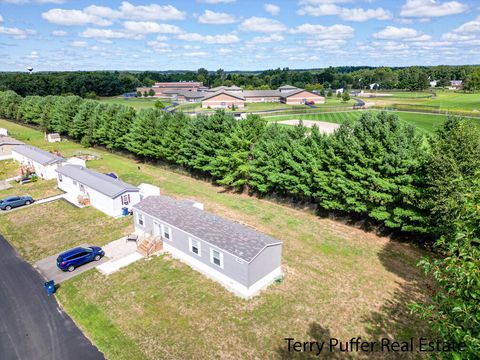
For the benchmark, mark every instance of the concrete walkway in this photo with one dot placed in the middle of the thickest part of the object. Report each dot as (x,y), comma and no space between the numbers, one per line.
(121,253)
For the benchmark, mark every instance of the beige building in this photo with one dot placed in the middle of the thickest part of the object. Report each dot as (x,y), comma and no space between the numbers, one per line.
(223,100)
(301,97)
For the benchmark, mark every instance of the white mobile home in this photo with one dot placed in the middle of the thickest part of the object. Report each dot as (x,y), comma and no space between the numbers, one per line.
(38,160)
(240,258)
(102,191)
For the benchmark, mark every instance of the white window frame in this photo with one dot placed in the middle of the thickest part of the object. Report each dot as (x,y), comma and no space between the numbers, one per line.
(125,199)
(60,177)
(169,232)
(221,257)
(81,188)
(199,246)
(140,219)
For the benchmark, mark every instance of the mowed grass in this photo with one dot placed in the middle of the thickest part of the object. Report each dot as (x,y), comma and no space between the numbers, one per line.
(425,122)
(42,230)
(339,281)
(39,189)
(137,103)
(8,169)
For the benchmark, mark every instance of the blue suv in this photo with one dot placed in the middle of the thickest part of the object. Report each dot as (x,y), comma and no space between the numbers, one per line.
(14,201)
(71,259)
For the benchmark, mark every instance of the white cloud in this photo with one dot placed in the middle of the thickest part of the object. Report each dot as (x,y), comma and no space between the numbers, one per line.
(394,33)
(150,12)
(73,17)
(261,24)
(103,15)
(348,14)
(80,44)
(468,31)
(334,32)
(217,1)
(210,39)
(431,8)
(159,46)
(267,39)
(224,51)
(109,34)
(144,27)
(16,33)
(33,55)
(197,54)
(59,33)
(23,2)
(1,18)
(211,17)
(272,9)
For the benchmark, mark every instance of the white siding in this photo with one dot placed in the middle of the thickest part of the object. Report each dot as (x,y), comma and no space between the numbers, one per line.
(45,172)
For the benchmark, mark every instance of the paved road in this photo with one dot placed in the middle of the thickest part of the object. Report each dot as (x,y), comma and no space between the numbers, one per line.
(32,326)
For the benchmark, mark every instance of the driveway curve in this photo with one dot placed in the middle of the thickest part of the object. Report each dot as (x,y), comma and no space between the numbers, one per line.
(32,325)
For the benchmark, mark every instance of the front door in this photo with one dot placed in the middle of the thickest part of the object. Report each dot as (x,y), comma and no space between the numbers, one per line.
(156,229)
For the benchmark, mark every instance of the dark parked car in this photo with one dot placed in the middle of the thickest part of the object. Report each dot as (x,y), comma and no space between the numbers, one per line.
(14,201)
(71,259)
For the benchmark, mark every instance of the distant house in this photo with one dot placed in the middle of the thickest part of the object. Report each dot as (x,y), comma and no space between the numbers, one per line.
(54,137)
(433,83)
(159,88)
(456,85)
(238,257)
(38,160)
(232,89)
(7,144)
(373,86)
(339,91)
(184,95)
(3,132)
(83,185)
(222,100)
(300,97)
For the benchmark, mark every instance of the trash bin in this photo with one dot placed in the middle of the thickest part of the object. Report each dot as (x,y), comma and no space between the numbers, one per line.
(124,211)
(50,287)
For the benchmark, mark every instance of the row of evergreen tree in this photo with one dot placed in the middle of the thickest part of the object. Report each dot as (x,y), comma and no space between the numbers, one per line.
(376,168)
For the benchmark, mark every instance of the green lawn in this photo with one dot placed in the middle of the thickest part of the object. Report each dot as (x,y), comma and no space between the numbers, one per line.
(8,169)
(137,103)
(39,189)
(339,281)
(42,230)
(425,122)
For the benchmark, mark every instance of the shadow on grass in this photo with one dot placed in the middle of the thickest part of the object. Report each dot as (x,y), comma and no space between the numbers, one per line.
(393,320)
(316,333)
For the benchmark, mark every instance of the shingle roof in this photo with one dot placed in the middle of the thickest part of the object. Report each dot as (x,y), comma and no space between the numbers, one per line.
(100,182)
(226,88)
(298,91)
(267,93)
(239,240)
(38,155)
(286,87)
(7,140)
(226,93)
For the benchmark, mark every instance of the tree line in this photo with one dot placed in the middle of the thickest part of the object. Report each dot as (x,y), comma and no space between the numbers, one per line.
(111,83)
(377,169)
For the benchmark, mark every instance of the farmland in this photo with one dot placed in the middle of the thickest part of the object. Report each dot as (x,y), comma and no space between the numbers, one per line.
(340,281)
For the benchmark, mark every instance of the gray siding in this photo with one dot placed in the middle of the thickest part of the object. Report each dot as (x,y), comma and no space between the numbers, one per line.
(265,262)
(233,267)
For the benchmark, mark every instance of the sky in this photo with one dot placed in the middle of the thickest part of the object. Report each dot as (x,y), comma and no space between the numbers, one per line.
(58,35)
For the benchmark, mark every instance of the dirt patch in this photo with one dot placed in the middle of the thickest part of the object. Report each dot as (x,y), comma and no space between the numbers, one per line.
(324,127)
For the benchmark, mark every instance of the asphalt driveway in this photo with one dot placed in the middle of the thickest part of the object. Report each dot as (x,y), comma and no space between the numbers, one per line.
(32,325)
(48,268)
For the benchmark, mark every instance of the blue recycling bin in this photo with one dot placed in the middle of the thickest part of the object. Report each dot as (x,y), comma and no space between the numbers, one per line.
(50,287)
(124,211)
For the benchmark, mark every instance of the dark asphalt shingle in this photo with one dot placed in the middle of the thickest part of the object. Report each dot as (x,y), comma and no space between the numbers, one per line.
(237,239)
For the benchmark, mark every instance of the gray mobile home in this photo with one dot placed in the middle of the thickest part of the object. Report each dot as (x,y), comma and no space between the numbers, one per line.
(240,258)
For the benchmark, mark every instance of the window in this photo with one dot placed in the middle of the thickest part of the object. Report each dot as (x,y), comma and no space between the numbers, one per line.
(126,199)
(60,177)
(216,257)
(74,183)
(195,246)
(167,232)
(82,188)
(140,219)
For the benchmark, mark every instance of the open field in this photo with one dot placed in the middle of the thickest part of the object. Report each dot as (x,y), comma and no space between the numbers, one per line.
(339,281)
(140,103)
(426,122)
(47,229)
